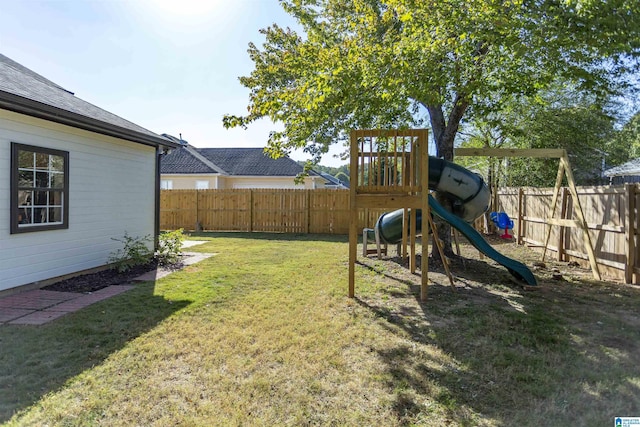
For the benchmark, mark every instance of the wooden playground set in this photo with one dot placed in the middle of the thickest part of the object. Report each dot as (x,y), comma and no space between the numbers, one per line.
(390,169)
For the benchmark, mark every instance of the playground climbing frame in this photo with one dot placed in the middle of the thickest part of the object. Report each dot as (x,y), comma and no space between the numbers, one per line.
(390,169)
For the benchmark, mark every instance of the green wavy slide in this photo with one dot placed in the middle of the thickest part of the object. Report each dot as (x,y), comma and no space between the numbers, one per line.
(516,268)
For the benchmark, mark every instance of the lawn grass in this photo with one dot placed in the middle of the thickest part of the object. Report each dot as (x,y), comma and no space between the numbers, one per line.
(262,334)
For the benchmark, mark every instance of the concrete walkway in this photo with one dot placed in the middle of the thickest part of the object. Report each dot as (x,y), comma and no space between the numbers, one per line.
(37,307)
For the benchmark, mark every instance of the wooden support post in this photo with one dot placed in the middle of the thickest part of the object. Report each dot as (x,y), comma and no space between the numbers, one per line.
(455,240)
(438,243)
(405,229)
(582,222)
(630,233)
(563,230)
(353,225)
(412,240)
(554,201)
(353,248)
(376,233)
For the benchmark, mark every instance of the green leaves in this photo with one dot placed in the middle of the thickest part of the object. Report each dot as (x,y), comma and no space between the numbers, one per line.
(383,63)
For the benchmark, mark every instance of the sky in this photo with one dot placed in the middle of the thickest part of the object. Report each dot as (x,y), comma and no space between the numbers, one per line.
(170,66)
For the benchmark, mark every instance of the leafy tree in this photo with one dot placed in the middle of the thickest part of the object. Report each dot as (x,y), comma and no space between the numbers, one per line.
(581,130)
(384,63)
(340,172)
(561,117)
(486,132)
(628,137)
(342,176)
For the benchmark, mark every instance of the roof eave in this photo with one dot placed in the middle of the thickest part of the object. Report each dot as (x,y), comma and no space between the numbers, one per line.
(29,107)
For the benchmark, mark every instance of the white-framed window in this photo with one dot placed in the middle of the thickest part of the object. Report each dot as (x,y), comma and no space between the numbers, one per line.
(39,188)
(202,185)
(166,184)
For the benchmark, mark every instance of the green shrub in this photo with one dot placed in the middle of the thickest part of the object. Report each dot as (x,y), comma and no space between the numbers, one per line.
(135,252)
(170,247)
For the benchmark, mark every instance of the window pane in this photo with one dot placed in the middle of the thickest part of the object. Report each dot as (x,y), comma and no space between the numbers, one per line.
(25,178)
(40,198)
(39,215)
(25,159)
(57,180)
(42,179)
(42,161)
(55,214)
(24,216)
(25,198)
(202,185)
(55,198)
(57,163)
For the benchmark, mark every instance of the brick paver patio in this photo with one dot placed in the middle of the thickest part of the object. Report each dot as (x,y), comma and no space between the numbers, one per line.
(37,307)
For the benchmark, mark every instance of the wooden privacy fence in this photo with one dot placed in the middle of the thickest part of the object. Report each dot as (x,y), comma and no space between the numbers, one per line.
(267,210)
(611,214)
(612,220)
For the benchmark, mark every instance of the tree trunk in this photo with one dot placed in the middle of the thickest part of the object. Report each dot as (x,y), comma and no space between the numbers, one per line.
(444,133)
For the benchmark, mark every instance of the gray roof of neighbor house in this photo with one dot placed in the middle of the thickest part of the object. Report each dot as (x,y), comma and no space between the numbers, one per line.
(228,161)
(24,91)
(632,167)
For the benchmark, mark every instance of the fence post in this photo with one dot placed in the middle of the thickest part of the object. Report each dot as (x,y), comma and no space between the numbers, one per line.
(308,221)
(250,210)
(520,239)
(630,233)
(197,225)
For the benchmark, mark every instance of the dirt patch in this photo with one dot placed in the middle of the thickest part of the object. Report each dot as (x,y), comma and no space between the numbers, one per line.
(473,271)
(601,315)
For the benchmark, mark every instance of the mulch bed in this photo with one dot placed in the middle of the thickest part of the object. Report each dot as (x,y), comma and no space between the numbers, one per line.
(92,282)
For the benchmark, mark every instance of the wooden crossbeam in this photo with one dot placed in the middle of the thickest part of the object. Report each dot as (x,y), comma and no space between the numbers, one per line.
(550,153)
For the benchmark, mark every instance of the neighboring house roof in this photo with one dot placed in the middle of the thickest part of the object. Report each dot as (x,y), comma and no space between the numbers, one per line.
(24,91)
(227,161)
(333,181)
(181,160)
(632,167)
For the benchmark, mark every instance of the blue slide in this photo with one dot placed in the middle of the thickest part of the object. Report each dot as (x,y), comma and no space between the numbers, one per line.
(516,268)
(471,199)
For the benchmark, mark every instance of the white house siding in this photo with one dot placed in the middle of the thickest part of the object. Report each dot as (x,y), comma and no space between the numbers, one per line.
(111,190)
(270,182)
(188,182)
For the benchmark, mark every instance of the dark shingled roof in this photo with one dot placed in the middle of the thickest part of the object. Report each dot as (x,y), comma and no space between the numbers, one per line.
(27,92)
(632,167)
(181,161)
(233,161)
